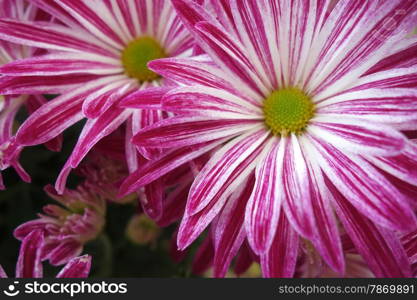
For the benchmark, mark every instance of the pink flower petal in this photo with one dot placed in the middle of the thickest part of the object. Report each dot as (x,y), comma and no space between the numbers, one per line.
(2,273)
(78,267)
(95,18)
(379,247)
(244,260)
(358,136)
(263,209)
(59,64)
(25,229)
(63,253)
(29,263)
(229,232)
(280,259)
(364,186)
(96,129)
(51,36)
(401,166)
(10,85)
(236,157)
(149,98)
(391,106)
(55,116)
(192,71)
(101,100)
(164,164)
(212,197)
(186,131)
(152,203)
(205,101)
(297,188)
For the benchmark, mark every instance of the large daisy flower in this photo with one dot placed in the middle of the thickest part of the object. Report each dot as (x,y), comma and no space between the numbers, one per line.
(303,113)
(98,53)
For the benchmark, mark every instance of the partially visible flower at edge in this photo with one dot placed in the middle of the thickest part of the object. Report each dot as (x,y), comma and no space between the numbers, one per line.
(11,104)
(29,263)
(78,219)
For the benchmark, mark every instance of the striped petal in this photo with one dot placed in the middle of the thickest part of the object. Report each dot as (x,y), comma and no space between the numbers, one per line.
(364,186)
(186,131)
(51,36)
(10,85)
(192,71)
(149,98)
(78,267)
(379,247)
(93,131)
(56,116)
(229,232)
(358,136)
(197,218)
(238,156)
(96,18)
(61,64)
(29,263)
(159,167)
(297,188)
(263,209)
(401,166)
(281,258)
(209,102)
(393,106)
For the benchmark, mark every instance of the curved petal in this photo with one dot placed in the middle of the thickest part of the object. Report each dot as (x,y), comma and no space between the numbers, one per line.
(263,209)
(211,102)
(194,222)
(281,258)
(149,98)
(185,131)
(56,115)
(229,232)
(167,162)
(402,166)
(364,186)
(52,36)
(78,267)
(379,247)
(29,264)
(358,136)
(391,106)
(226,163)
(61,64)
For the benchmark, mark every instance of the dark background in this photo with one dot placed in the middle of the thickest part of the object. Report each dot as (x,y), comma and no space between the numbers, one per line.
(113,256)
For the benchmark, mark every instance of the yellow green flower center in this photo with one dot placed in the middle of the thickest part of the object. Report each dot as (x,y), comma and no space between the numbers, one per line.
(288,111)
(136,56)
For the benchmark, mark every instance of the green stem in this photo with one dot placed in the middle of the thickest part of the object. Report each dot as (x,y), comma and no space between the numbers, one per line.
(106,264)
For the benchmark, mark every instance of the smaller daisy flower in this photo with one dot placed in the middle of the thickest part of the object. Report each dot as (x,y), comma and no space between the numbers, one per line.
(29,263)
(78,219)
(98,54)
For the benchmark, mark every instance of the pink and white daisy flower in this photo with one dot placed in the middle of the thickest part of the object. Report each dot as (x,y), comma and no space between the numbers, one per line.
(304,110)
(98,53)
(29,262)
